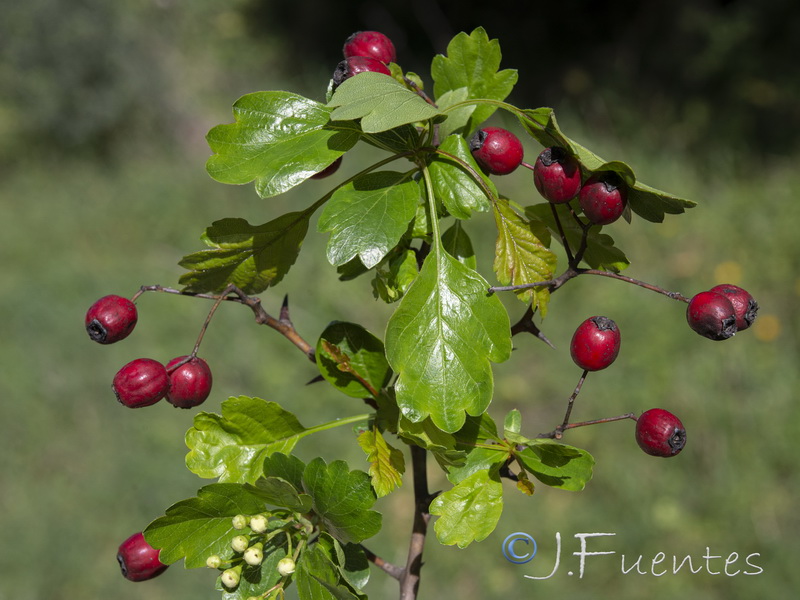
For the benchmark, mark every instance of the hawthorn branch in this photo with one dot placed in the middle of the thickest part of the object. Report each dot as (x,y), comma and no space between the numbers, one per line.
(282,325)
(558,431)
(409,580)
(526,324)
(392,570)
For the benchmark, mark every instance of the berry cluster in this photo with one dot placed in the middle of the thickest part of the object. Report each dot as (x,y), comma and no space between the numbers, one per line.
(185,381)
(721,311)
(364,51)
(248,550)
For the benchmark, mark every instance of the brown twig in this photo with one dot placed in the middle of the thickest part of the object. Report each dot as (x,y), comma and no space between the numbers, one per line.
(558,431)
(387,567)
(409,580)
(526,324)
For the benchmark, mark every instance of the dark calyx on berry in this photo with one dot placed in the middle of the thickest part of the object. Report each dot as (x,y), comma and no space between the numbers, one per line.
(357,64)
(712,315)
(497,150)
(744,305)
(603,197)
(660,433)
(557,175)
(110,319)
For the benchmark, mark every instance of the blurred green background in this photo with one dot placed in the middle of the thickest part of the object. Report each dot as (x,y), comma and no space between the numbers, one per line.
(103,109)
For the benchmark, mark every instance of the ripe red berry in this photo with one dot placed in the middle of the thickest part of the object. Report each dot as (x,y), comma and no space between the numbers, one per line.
(355,65)
(711,315)
(370,43)
(660,433)
(111,319)
(190,383)
(329,170)
(595,343)
(141,382)
(557,175)
(603,198)
(745,307)
(497,150)
(138,560)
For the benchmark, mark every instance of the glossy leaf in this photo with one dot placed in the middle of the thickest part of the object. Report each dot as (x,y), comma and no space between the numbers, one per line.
(196,528)
(381,102)
(368,216)
(454,185)
(441,339)
(426,435)
(395,274)
(397,140)
(352,359)
(521,256)
(232,446)
(387,463)
(469,512)
(279,492)
(601,253)
(647,202)
(317,577)
(251,257)
(279,139)
(458,245)
(558,465)
(472,62)
(342,499)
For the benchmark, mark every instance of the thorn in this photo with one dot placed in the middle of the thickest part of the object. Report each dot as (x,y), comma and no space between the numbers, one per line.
(283,317)
(316,379)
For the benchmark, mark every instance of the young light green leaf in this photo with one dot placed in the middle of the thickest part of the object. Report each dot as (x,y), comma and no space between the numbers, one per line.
(558,465)
(251,257)
(458,245)
(387,464)
(395,274)
(196,528)
(477,459)
(470,511)
(441,340)
(472,62)
(368,216)
(426,435)
(513,421)
(454,185)
(232,446)
(649,203)
(601,253)
(279,140)
(352,359)
(458,117)
(521,256)
(381,102)
(342,499)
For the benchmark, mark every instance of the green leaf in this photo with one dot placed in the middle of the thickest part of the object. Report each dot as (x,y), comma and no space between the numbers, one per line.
(279,140)
(232,446)
(521,256)
(355,569)
(251,257)
(426,435)
(470,511)
(387,464)
(395,274)
(649,203)
(513,422)
(458,117)
(279,492)
(458,245)
(381,102)
(601,253)
(285,466)
(368,216)
(558,465)
(441,339)
(196,528)
(454,185)
(478,440)
(342,499)
(472,62)
(396,141)
(317,576)
(352,359)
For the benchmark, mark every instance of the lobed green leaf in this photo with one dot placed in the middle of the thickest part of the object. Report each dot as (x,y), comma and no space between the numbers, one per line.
(558,465)
(387,463)
(251,257)
(454,185)
(279,139)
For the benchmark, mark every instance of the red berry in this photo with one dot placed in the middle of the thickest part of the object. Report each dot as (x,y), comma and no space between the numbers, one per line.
(138,560)
(497,150)
(141,382)
(557,175)
(329,170)
(712,315)
(370,43)
(355,65)
(660,433)
(745,307)
(110,319)
(190,383)
(603,198)
(595,343)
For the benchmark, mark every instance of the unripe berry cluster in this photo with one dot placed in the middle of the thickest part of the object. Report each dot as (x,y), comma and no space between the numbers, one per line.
(185,381)
(248,549)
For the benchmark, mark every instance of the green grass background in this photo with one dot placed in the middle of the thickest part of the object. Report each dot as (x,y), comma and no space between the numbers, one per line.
(80,473)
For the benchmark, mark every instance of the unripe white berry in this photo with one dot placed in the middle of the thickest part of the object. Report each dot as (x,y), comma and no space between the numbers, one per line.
(239,522)
(214,561)
(240,543)
(230,577)
(286,566)
(258,523)
(254,555)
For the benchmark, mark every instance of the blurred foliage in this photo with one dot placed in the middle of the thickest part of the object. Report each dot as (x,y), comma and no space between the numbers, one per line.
(85,81)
